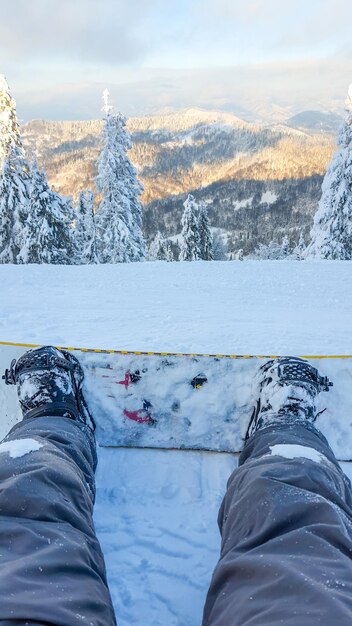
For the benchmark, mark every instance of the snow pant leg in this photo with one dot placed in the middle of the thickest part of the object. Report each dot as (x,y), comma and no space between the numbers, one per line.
(51,566)
(286,551)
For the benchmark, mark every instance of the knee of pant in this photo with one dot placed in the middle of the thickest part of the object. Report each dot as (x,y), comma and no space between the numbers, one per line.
(44,485)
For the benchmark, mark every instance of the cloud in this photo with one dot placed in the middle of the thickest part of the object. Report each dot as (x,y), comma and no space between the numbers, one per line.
(172,33)
(253,93)
(59,54)
(292,26)
(109,31)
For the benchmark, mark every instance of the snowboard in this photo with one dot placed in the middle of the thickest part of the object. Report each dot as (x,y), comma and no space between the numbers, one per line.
(178,401)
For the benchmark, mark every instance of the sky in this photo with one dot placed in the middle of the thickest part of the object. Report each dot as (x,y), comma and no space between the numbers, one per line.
(245,56)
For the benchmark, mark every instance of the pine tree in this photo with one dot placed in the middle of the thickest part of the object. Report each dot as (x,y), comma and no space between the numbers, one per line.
(13,205)
(160,249)
(285,248)
(85,236)
(169,251)
(190,241)
(205,236)
(119,216)
(9,128)
(48,233)
(219,247)
(268,252)
(175,250)
(331,235)
(7,207)
(13,179)
(298,252)
(239,255)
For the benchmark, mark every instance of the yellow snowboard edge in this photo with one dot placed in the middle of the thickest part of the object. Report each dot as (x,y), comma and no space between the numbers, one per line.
(177,354)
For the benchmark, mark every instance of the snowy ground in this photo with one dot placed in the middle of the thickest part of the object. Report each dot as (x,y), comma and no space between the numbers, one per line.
(275,307)
(156,510)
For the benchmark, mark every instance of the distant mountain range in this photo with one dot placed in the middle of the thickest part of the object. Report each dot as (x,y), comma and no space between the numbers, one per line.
(316,121)
(260,182)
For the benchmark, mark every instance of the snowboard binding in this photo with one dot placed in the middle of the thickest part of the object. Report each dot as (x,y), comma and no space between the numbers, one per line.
(302,382)
(294,369)
(49,382)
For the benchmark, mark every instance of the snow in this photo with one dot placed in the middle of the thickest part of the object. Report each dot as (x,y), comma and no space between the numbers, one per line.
(156,510)
(252,307)
(292,451)
(156,517)
(268,197)
(242,204)
(20,447)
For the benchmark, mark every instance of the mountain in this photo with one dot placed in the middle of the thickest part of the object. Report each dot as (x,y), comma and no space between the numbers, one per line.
(316,121)
(260,182)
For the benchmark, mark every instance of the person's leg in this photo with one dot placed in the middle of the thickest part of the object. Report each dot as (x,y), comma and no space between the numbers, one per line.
(286,526)
(51,566)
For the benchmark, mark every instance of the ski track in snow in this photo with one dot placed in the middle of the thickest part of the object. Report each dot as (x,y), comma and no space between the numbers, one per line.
(156,511)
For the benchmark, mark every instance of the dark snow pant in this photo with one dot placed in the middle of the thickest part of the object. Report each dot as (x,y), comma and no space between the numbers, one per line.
(51,566)
(286,526)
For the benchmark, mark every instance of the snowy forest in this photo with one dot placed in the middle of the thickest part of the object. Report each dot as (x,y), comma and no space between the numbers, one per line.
(109,225)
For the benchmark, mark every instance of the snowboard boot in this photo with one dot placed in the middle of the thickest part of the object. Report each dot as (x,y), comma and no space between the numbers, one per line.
(288,387)
(49,382)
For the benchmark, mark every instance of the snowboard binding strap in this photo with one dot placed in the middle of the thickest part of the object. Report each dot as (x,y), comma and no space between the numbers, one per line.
(34,361)
(297,371)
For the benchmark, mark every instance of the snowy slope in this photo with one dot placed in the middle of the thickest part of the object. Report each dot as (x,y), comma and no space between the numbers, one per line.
(253,307)
(156,510)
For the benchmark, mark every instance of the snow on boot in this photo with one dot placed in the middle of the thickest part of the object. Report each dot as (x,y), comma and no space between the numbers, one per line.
(288,387)
(49,382)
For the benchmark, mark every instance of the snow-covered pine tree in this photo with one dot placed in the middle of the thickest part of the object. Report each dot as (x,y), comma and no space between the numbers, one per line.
(169,254)
(7,207)
(268,252)
(331,235)
(219,247)
(239,255)
(298,251)
(190,242)
(285,248)
(119,215)
(13,205)
(160,249)
(14,172)
(9,128)
(205,236)
(175,249)
(48,232)
(85,237)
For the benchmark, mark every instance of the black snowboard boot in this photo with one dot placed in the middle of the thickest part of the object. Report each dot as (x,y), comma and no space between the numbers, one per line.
(49,382)
(288,387)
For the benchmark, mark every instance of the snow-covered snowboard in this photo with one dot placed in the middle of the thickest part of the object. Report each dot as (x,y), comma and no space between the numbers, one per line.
(195,402)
